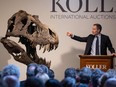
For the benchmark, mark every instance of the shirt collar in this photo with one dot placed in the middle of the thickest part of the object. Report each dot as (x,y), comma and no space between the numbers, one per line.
(99,35)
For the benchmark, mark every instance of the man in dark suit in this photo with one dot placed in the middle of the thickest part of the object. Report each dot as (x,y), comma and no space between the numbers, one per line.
(97,43)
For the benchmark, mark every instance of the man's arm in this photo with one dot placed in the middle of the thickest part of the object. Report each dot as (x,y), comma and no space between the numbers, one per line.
(110,47)
(78,38)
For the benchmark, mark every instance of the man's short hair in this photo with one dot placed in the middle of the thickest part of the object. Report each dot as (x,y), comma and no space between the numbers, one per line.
(98,26)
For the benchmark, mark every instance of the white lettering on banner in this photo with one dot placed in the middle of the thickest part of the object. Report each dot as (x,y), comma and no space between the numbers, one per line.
(97,66)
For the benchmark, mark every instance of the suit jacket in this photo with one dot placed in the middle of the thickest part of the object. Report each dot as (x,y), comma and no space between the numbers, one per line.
(105,43)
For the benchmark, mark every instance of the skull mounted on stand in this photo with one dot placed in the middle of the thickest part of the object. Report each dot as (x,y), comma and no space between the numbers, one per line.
(31,32)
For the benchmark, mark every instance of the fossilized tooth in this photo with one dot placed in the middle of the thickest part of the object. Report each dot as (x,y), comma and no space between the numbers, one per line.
(41,46)
(46,47)
(30,27)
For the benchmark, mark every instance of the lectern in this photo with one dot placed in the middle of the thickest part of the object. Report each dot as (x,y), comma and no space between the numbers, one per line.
(103,62)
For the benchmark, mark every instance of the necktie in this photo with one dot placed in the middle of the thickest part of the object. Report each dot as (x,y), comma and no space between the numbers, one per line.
(97,46)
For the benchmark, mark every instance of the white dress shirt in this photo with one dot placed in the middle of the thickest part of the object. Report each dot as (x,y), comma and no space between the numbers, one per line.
(93,47)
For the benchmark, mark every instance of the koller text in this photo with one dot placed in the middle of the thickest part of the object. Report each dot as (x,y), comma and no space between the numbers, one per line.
(67,6)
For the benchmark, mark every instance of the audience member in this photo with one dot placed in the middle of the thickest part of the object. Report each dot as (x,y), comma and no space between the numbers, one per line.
(53,83)
(38,69)
(111,73)
(69,82)
(103,79)
(11,70)
(51,73)
(111,82)
(96,74)
(10,76)
(39,75)
(84,77)
(31,69)
(86,70)
(11,81)
(33,82)
(1,85)
(30,72)
(43,77)
(82,85)
(70,72)
(44,68)
(77,75)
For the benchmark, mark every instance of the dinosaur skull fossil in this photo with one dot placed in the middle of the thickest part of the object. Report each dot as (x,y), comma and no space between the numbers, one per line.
(22,24)
(31,32)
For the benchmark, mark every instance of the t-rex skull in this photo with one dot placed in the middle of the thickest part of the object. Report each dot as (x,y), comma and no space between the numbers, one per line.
(22,24)
(31,32)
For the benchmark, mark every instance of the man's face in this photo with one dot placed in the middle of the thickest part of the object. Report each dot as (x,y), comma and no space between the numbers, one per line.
(95,31)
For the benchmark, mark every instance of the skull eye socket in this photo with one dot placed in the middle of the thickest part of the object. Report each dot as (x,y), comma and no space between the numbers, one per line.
(11,26)
(24,21)
(32,28)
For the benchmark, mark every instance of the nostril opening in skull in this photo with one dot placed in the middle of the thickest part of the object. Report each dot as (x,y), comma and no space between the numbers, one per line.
(32,28)
(11,26)
(24,21)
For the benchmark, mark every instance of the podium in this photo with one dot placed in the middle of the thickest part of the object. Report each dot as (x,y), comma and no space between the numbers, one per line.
(103,62)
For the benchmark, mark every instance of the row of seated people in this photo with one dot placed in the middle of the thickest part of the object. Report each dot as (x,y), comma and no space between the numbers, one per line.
(39,75)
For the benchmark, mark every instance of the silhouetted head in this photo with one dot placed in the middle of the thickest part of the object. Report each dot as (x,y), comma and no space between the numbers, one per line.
(31,69)
(51,73)
(96,74)
(33,82)
(11,81)
(53,83)
(69,82)
(11,70)
(70,72)
(110,82)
